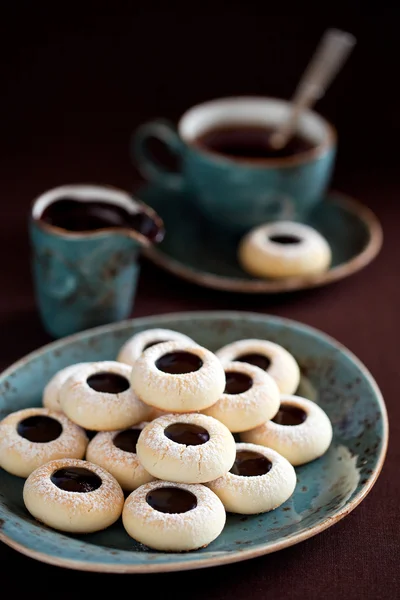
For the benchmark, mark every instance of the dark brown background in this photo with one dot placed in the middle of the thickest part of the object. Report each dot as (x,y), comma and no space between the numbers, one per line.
(74,85)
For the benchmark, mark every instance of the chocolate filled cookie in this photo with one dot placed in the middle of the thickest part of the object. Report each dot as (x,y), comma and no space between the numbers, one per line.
(73,495)
(115,451)
(178,377)
(284,249)
(260,480)
(268,356)
(139,342)
(190,448)
(301,431)
(173,517)
(251,397)
(33,436)
(98,396)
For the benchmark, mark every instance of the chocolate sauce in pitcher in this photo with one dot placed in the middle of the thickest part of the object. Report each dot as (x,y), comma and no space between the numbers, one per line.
(76,216)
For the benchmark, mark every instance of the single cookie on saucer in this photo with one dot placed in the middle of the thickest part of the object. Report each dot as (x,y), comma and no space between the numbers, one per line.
(173,517)
(190,448)
(115,451)
(251,397)
(98,396)
(139,342)
(33,436)
(73,495)
(178,377)
(284,249)
(260,480)
(301,431)
(268,356)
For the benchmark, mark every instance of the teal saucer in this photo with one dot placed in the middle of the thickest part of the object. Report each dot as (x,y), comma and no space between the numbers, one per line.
(327,489)
(193,249)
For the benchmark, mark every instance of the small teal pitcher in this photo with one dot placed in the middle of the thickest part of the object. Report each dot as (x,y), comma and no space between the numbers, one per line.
(239,193)
(86,278)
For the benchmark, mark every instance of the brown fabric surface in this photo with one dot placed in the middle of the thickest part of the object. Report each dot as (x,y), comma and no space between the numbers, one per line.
(74,88)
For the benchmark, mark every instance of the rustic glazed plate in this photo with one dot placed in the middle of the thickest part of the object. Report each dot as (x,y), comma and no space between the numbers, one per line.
(194,250)
(327,489)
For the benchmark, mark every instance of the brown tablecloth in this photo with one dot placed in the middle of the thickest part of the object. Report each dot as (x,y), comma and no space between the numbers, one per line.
(73,89)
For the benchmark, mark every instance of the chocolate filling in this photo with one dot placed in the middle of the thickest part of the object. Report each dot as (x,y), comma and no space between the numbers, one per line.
(289,415)
(250,464)
(187,434)
(76,479)
(108,383)
(171,500)
(285,239)
(258,360)
(177,363)
(39,429)
(126,440)
(237,383)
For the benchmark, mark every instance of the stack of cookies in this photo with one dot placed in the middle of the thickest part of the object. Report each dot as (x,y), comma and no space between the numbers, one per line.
(161,421)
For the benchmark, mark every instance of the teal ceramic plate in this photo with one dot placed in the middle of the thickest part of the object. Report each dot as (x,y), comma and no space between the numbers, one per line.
(194,250)
(327,489)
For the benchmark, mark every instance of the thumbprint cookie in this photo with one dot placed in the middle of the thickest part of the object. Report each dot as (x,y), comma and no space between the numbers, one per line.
(301,431)
(33,436)
(73,495)
(173,517)
(98,396)
(284,249)
(178,377)
(251,397)
(260,480)
(190,448)
(268,356)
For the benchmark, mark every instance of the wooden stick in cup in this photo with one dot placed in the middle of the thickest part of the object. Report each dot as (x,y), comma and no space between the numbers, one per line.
(330,55)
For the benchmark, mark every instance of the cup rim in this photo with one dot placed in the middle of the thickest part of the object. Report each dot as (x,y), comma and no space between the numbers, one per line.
(126,232)
(283,162)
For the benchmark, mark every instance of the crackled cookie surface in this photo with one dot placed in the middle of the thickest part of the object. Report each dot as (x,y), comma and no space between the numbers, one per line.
(260,480)
(251,397)
(187,448)
(178,377)
(301,431)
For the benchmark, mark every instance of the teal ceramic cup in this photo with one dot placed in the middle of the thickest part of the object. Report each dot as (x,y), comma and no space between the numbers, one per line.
(239,193)
(89,278)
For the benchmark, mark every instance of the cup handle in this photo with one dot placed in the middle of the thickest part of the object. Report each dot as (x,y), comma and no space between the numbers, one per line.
(148,166)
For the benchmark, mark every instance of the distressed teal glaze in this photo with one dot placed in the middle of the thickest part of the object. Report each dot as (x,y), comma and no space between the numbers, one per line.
(83,281)
(237,197)
(234,195)
(198,246)
(327,488)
